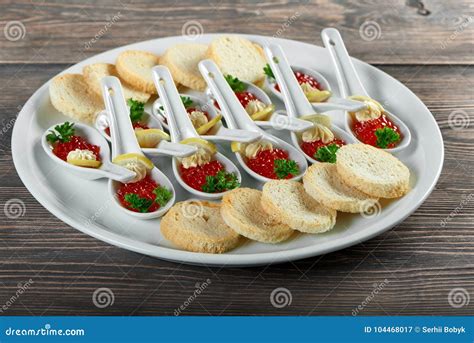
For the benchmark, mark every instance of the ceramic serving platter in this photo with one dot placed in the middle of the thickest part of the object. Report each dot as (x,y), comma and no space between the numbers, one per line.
(87,206)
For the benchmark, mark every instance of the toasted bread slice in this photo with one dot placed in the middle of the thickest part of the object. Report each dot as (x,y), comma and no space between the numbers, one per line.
(372,171)
(323,183)
(289,202)
(198,226)
(134,67)
(242,211)
(71,95)
(182,61)
(93,73)
(238,57)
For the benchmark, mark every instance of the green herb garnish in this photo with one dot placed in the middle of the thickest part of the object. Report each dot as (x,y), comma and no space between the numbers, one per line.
(138,203)
(187,102)
(269,72)
(327,153)
(163,195)
(283,168)
(386,136)
(220,182)
(235,83)
(137,109)
(64,133)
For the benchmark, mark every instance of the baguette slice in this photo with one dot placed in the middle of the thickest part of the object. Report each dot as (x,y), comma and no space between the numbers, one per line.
(242,211)
(373,171)
(182,61)
(324,184)
(71,95)
(134,67)
(198,226)
(289,202)
(93,73)
(238,57)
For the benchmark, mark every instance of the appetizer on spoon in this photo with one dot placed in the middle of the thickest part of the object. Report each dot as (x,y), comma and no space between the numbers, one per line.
(150,194)
(207,173)
(374,125)
(267,159)
(322,140)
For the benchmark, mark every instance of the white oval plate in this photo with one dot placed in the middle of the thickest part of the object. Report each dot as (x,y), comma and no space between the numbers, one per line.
(86,206)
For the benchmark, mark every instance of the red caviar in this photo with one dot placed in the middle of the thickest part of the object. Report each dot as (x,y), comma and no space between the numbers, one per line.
(143,188)
(195,177)
(264,162)
(62,149)
(365,130)
(304,78)
(135,125)
(243,97)
(310,148)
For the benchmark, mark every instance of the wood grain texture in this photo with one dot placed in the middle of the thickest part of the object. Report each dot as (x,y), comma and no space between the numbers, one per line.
(415,265)
(382,32)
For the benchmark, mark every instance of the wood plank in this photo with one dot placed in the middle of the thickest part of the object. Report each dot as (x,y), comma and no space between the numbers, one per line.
(383,32)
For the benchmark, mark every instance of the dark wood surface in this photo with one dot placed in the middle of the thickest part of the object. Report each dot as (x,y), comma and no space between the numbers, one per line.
(416,264)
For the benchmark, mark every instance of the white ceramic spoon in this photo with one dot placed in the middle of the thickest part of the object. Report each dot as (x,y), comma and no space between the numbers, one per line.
(295,100)
(124,141)
(181,127)
(107,168)
(350,84)
(236,117)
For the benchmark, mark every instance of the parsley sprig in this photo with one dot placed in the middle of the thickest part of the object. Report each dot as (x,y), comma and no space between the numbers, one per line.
(386,136)
(269,72)
(137,109)
(63,133)
(327,153)
(235,83)
(138,203)
(220,182)
(187,102)
(163,195)
(283,168)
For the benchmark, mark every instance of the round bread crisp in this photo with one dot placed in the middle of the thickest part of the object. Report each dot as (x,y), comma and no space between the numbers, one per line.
(323,183)
(242,211)
(289,202)
(198,226)
(182,61)
(70,94)
(135,66)
(238,57)
(372,171)
(93,73)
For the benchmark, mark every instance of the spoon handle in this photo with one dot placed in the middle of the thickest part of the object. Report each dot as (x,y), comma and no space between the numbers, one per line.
(115,172)
(347,77)
(295,100)
(121,129)
(284,122)
(178,119)
(165,148)
(233,135)
(336,103)
(232,110)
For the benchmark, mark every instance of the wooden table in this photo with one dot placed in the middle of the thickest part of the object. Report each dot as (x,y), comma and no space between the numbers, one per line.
(413,267)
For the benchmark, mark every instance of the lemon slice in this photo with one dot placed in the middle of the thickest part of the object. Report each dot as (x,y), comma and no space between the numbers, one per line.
(84,163)
(317,95)
(124,159)
(318,119)
(149,138)
(236,146)
(263,114)
(196,141)
(202,130)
